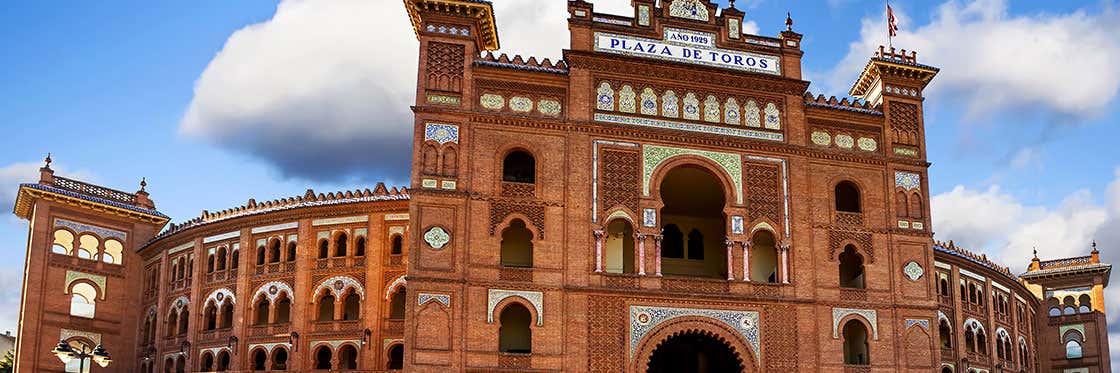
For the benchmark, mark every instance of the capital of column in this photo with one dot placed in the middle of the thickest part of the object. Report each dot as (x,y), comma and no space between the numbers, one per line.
(598,234)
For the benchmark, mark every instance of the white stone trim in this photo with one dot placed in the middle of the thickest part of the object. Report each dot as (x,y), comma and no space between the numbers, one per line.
(227,296)
(495,296)
(281,287)
(942,265)
(275,227)
(223,236)
(871,316)
(343,220)
(973,275)
(393,285)
(347,282)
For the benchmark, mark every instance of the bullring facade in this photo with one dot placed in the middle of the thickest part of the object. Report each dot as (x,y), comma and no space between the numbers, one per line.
(666,198)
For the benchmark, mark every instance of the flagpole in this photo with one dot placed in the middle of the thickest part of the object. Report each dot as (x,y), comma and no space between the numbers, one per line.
(890,33)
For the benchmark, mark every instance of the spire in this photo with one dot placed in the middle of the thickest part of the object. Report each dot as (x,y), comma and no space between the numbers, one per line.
(143,183)
(789,21)
(1095,247)
(1035,252)
(46,174)
(47,161)
(1095,256)
(731,4)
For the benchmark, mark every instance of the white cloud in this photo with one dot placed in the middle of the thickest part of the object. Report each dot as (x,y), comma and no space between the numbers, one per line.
(990,59)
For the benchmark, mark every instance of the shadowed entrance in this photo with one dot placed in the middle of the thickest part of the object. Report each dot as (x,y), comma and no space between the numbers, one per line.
(693,353)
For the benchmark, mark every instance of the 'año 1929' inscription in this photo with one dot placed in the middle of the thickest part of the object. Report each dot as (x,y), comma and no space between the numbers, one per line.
(688,47)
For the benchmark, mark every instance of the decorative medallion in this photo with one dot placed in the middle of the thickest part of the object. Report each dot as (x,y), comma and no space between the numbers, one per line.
(436,237)
(272,290)
(845,141)
(441,133)
(649,217)
(867,144)
(521,104)
(907,180)
(644,319)
(773,117)
(649,102)
(492,101)
(913,270)
(737,224)
(821,138)
(731,111)
(605,97)
(549,107)
(691,107)
(626,99)
(689,9)
(338,284)
(643,15)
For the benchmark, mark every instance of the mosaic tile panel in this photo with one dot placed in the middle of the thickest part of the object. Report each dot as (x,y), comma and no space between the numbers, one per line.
(845,141)
(691,107)
(521,104)
(689,9)
(840,313)
(644,319)
(443,99)
(83,228)
(669,104)
(907,180)
(492,101)
(737,224)
(441,133)
(99,280)
(773,117)
(914,271)
(495,296)
(643,15)
(604,97)
(711,109)
(649,217)
(649,102)
(668,124)
(920,322)
(549,107)
(437,237)
(821,138)
(653,156)
(423,298)
(731,112)
(867,144)
(733,28)
(751,114)
(626,99)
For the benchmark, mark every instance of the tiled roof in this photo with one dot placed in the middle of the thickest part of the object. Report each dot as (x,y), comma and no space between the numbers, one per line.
(72,194)
(980,260)
(907,63)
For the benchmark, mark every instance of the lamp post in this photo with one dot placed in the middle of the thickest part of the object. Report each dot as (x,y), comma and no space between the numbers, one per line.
(66,354)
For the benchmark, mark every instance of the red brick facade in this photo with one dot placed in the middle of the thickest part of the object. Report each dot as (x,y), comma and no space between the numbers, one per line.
(666,198)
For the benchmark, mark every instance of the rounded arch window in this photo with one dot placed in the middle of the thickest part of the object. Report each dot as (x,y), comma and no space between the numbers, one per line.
(514,334)
(520,167)
(847,197)
(856,346)
(397,245)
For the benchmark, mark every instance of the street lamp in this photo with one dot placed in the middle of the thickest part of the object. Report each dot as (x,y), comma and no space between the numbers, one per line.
(66,354)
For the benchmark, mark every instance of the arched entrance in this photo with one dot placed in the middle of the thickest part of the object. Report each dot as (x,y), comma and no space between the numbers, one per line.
(693,353)
(693,224)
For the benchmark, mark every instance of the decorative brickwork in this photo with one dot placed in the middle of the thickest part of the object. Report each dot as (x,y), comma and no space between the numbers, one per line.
(779,344)
(618,181)
(904,123)
(837,238)
(445,66)
(499,210)
(764,196)
(606,330)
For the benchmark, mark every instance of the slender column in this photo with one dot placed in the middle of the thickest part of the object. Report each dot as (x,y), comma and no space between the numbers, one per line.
(641,238)
(746,261)
(730,259)
(657,254)
(785,263)
(598,234)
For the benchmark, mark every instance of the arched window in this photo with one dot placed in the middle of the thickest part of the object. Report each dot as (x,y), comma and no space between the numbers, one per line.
(323,357)
(943,287)
(764,257)
(695,244)
(981,342)
(210,263)
(519,167)
(180,364)
(223,361)
(856,347)
(87,246)
(517,245)
(969,339)
(916,209)
(619,247)
(274,251)
(347,357)
(1073,350)
(1085,304)
(326,307)
(340,245)
(113,252)
(83,300)
(63,242)
(235,259)
(514,334)
(260,359)
(283,309)
(291,251)
(207,362)
(946,370)
(184,320)
(396,357)
(360,246)
(971,293)
(263,311)
(226,321)
(75,365)
(260,255)
(280,359)
(672,242)
(323,248)
(397,246)
(946,333)
(847,197)
(172,323)
(900,204)
(851,269)
(351,306)
(1070,306)
(397,304)
(221,259)
(210,314)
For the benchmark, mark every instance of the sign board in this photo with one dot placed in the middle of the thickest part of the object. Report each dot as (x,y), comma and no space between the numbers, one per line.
(687,46)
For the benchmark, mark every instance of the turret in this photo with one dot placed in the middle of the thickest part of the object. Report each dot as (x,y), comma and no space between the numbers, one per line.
(452,34)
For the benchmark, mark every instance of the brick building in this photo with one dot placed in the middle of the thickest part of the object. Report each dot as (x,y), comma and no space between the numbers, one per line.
(666,198)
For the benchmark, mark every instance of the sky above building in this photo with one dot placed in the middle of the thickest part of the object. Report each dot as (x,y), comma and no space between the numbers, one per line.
(216,102)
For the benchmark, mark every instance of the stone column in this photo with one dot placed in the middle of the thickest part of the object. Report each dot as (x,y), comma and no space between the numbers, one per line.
(598,234)
(641,240)
(730,259)
(657,254)
(747,261)
(785,262)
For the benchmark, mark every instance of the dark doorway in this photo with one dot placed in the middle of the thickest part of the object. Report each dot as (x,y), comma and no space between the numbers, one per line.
(693,353)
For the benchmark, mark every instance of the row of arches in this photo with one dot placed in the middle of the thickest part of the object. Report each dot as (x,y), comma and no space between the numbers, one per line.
(222,258)
(87,246)
(324,356)
(975,339)
(1070,306)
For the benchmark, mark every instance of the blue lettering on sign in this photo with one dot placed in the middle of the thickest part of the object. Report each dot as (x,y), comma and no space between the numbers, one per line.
(686,47)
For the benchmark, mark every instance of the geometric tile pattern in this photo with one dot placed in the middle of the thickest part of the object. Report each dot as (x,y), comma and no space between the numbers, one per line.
(653,156)
(644,319)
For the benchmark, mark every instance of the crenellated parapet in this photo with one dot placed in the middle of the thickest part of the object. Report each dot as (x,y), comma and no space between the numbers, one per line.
(519,63)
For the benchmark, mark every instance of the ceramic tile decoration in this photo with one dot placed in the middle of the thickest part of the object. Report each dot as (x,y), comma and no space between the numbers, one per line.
(711,109)
(913,270)
(691,107)
(731,111)
(669,104)
(773,117)
(339,284)
(626,99)
(443,99)
(219,296)
(98,280)
(272,290)
(437,237)
(737,224)
(428,297)
(645,319)
(492,101)
(643,15)
(653,156)
(909,152)
(907,180)
(821,138)
(844,141)
(717,130)
(750,113)
(441,133)
(839,314)
(549,107)
(920,322)
(605,100)
(80,228)
(733,28)
(649,217)
(495,296)
(867,144)
(649,102)
(521,104)
(689,9)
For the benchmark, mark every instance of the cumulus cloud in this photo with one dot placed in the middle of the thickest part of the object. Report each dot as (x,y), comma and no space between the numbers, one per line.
(990,59)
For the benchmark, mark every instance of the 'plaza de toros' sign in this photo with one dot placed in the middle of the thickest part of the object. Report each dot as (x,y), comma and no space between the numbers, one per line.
(689,47)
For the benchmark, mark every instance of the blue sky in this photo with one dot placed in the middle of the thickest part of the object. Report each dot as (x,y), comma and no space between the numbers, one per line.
(215,102)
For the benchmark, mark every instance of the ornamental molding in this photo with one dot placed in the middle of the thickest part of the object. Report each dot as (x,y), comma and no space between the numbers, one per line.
(72,276)
(385,343)
(67,334)
(220,297)
(272,290)
(338,285)
(398,282)
(973,275)
(223,236)
(1080,328)
(707,75)
(423,298)
(80,228)
(275,227)
(213,351)
(871,316)
(179,304)
(495,296)
(689,126)
(919,322)
(974,324)
(268,347)
(336,343)
(441,133)
(654,155)
(343,220)
(644,319)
